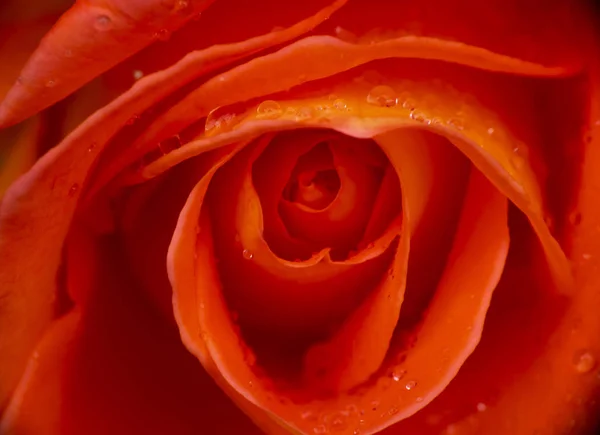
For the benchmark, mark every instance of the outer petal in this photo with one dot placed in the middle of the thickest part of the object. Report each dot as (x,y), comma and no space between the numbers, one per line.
(36,211)
(89,39)
(112,365)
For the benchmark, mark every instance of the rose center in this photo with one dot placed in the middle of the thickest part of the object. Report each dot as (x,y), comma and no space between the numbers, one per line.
(314,182)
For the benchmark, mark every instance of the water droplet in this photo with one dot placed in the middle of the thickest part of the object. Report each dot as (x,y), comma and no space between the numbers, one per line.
(268,109)
(162,35)
(398,374)
(374,405)
(585,362)
(419,399)
(490,131)
(91,147)
(338,423)
(50,83)
(457,123)
(481,407)
(247,254)
(383,96)
(320,429)
(170,144)
(575,218)
(132,120)
(137,74)
(102,23)
(356,432)
(419,117)
(304,113)
(309,416)
(410,385)
(182,6)
(340,104)
(217,120)
(409,104)
(73,189)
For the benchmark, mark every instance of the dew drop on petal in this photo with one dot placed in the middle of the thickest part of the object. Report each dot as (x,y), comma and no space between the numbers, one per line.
(340,104)
(102,23)
(457,123)
(73,189)
(398,374)
(383,96)
(585,362)
(410,385)
(182,6)
(481,407)
(304,113)
(162,35)
(268,109)
(137,74)
(320,429)
(50,83)
(132,120)
(247,254)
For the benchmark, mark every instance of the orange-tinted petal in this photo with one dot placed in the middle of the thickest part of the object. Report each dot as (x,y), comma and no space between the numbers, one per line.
(475,111)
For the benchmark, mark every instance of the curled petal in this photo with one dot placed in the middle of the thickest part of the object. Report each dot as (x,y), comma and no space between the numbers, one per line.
(37,210)
(498,138)
(89,39)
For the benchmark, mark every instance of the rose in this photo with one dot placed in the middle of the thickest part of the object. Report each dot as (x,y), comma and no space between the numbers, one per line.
(225,120)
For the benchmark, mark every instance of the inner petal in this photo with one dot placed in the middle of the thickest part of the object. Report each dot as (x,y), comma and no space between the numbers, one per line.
(320,190)
(314,182)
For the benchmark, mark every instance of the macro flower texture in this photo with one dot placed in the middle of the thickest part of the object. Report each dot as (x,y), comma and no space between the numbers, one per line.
(340,217)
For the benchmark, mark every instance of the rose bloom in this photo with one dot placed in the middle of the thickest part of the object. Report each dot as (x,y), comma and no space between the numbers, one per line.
(317,217)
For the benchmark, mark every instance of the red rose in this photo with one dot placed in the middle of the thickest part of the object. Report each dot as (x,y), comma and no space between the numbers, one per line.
(358,217)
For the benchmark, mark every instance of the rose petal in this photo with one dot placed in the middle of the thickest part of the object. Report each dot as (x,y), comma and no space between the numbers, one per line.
(317,57)
(89,39)
(304,297)
(551,34)
(499,139)
(213,325)
(62,64)
(36,211)
(113,366)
